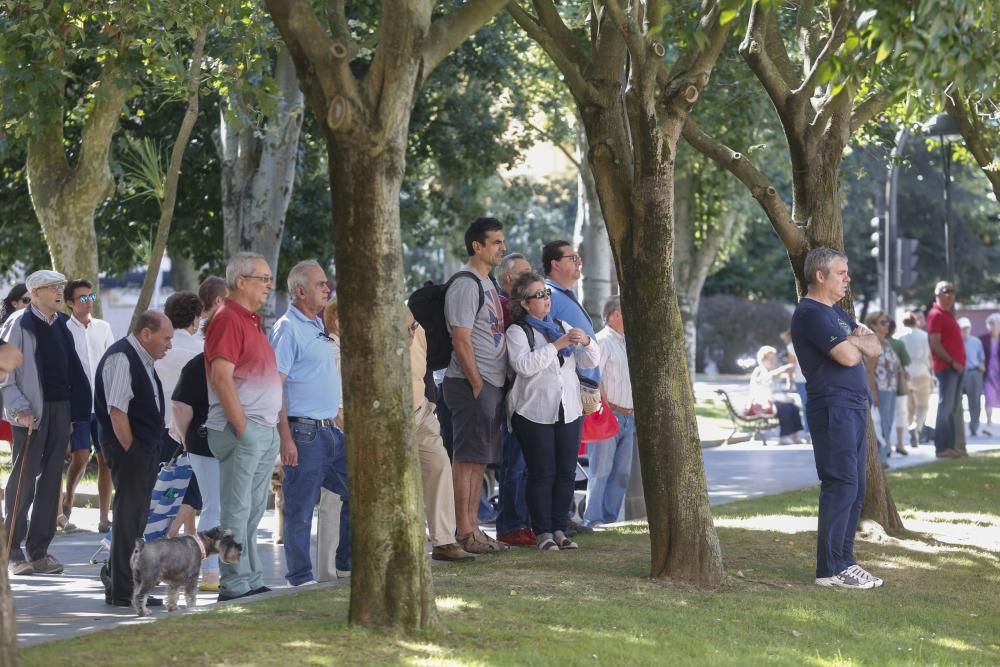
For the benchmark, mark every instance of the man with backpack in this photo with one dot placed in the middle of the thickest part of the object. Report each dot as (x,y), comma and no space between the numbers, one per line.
(474,380)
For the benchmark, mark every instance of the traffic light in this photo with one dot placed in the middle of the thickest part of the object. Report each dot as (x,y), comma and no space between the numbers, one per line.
(906,266)
(876,236)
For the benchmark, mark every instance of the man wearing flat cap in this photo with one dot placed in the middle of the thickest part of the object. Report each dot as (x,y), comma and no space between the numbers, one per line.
(41,399)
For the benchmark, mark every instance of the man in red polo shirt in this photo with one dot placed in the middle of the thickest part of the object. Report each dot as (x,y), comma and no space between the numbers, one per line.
(244,399)
(948,362)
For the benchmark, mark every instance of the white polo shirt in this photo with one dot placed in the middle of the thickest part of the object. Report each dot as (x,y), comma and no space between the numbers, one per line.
(91,342)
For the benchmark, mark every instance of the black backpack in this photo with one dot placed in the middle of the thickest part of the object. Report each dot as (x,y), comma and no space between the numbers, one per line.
(427,306)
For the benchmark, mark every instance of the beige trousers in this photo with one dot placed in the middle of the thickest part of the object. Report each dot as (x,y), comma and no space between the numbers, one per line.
(920,399)
(435,473)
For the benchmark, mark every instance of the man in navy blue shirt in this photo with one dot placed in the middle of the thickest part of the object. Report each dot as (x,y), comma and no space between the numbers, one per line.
(831,348)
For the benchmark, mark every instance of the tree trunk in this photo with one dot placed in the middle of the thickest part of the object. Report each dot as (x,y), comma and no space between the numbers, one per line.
(595,248)
(391,581)
(258,174)
(172,177)
(8,624)
(183,273)
(683,542)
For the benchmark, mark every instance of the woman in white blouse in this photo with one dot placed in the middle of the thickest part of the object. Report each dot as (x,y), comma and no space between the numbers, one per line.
(544,404)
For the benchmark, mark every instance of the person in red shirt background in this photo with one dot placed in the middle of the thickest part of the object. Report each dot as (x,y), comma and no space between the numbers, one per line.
(948,362)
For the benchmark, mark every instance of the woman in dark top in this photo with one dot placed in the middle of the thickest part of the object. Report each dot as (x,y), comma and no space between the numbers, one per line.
(189,403)
(16,299)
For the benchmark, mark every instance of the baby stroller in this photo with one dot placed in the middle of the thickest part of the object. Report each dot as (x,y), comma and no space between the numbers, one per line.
(168,495)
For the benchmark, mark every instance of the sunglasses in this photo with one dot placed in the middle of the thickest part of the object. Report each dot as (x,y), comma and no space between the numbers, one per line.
(26,300)
(86,297)
(541,294)
(946,290)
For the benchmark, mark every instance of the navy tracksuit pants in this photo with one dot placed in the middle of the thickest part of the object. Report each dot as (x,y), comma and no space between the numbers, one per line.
(841,451)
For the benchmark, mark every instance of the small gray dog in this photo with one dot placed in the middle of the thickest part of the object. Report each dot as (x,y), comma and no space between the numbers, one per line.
(177,561)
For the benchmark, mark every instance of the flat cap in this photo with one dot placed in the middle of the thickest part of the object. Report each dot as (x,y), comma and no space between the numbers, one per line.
(44,278)
(964,323)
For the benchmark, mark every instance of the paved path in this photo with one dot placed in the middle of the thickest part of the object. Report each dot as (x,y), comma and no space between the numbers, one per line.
(63,606)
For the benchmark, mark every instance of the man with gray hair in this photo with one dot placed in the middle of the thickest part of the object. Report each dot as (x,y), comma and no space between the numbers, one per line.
(610,461)
(130,403)
(312,442)
(244,399)
(41,399)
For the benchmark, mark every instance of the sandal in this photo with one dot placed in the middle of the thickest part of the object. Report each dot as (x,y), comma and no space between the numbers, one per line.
(478,542)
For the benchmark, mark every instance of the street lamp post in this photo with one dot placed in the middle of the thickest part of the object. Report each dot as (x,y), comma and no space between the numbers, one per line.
(944,128)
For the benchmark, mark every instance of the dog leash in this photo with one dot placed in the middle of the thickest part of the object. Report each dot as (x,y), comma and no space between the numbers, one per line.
(17,496)
(201,546)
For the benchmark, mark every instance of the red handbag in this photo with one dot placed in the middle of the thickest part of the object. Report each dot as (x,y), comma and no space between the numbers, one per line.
(599,425)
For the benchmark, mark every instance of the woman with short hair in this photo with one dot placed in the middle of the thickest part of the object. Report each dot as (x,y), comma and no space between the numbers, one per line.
(883,379)
(544,404)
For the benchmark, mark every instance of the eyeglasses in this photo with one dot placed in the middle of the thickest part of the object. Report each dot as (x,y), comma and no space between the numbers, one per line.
(947,290)
(541,294)
(576,259)
(26,300)
(267,280)
(413,327)
(86,297)
(883,322)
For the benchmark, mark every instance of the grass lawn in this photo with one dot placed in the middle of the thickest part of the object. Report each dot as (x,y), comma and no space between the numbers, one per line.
(595,606)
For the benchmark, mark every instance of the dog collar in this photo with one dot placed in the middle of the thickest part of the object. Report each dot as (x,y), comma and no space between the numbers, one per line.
(201,546)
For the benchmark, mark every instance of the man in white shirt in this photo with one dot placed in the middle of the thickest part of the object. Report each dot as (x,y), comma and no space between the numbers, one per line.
(92,337)
(921,379)
(610,461)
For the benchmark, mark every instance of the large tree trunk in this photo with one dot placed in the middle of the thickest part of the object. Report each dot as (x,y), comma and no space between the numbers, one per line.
(65,196)
(8,624)
(391,581)
(258,173)
(595,248)
(172,178)
(183,273)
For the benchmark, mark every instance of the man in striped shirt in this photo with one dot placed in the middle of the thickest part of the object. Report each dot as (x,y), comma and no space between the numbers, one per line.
(610,461)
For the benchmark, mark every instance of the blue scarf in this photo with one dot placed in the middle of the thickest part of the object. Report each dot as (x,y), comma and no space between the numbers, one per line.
(550,330)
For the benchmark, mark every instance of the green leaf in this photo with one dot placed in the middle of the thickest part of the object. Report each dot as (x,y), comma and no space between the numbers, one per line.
(727,16)
(884,51)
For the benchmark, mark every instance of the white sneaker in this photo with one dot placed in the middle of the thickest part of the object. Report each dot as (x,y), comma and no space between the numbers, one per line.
(844,580)
(305,583)
(864,575)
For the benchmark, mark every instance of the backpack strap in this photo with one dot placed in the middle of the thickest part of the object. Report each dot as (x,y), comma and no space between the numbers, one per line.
(479,284)
(528,332)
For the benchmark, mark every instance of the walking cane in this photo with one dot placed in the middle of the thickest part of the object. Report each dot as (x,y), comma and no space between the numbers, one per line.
(17,494)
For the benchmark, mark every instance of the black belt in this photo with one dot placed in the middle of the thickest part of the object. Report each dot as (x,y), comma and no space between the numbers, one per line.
(321,423)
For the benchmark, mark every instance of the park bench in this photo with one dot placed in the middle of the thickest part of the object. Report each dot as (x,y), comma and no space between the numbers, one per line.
(755,424)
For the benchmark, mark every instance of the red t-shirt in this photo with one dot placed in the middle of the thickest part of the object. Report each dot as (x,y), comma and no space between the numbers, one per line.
(943,323)
(235,335)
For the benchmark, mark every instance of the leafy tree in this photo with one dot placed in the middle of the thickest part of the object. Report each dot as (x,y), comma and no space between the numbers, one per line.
(361,79)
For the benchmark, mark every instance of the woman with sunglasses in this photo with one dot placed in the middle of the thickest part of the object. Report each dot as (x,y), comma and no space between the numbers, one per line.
(883,379)
(17,299)
(544,404)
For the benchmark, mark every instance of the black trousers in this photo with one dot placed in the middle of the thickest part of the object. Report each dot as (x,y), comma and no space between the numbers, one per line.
(42,461)
(550,452)
(133,473)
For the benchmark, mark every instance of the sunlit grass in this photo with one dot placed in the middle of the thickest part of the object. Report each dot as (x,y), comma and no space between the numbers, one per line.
(597,606)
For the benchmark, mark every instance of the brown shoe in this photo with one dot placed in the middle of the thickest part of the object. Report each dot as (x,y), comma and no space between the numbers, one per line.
(451,552)
(902,450)
(478,542)
(948,454)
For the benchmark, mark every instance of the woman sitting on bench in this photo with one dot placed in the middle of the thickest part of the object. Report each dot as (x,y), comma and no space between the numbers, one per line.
(768,395)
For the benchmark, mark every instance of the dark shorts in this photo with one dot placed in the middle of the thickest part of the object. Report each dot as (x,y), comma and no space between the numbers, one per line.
(192,496)
(83,434)
(475,421)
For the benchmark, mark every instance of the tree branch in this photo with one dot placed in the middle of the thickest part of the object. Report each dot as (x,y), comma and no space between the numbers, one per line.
(759,186)
(555,142)
(969,125)
(95,142)
(570,68)
(449,31)
(690,73)
(838,33)
(630,30)
(755,52)
(867,109)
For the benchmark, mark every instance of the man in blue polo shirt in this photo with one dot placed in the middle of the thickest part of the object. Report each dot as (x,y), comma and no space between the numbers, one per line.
(563,268)
(831,347)
(312,442)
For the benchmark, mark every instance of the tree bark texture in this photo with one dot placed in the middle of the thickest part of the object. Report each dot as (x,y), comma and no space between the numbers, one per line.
(963,110)
(172,177)
(633,139)
(818,125)
(183,273)
(258,173)
(65,194)
(595,248)
(365,122)
(8,623)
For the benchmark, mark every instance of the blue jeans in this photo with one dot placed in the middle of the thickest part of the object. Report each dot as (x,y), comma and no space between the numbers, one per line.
(322,463)
(513,514)
(949,397)
(206,470)
(841,451)
(610,463)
